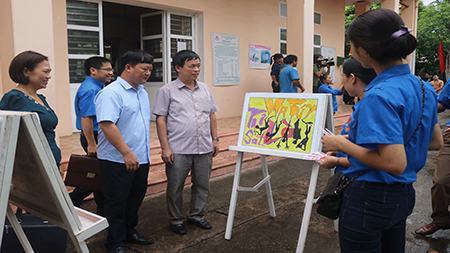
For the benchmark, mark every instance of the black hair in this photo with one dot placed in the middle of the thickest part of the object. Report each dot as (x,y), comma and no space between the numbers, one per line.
(290,59)
(276,57)
(423,75)
(183,56)
(133,57)
(27,60)
(95,62)
(352,66)
(316,58)
(374,32)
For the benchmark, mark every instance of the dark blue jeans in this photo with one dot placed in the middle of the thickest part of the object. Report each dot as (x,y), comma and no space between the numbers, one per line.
(373,217)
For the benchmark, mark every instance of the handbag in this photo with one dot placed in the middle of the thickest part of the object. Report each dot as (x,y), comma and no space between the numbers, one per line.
(84,171)
(43,237)
(330,200)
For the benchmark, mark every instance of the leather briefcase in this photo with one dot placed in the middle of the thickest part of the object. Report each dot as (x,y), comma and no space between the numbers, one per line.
(84,171)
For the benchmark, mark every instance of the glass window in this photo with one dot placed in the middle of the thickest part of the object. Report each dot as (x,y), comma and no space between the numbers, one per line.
(317,18)
(283,9)
(317,40)
(283,48)
(283,34)
(180,25)
(152,25)
(157,73)
(83,42)
(82,13)
(76,70)
(175,46)
(317,50)
(154,47)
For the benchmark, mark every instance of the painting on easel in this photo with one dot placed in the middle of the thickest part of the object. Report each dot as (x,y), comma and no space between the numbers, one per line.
(279,123)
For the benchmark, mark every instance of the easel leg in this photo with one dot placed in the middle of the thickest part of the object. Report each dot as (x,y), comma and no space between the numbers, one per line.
(234,195)
(80,246)
(18,230)
(269,195)
(308,208)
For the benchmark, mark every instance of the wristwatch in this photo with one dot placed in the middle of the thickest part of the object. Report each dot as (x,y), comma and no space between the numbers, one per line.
(216,139)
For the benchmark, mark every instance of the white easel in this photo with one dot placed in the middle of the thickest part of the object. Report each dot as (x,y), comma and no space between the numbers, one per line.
(324,118)
(30,179)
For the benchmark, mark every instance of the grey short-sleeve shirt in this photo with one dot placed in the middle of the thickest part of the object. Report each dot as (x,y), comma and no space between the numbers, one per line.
(188,116)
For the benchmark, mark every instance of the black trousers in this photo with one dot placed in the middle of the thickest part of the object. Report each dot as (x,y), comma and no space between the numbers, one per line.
(79,194)
(124,192)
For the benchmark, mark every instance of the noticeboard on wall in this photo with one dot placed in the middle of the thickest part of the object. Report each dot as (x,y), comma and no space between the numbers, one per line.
(226,68)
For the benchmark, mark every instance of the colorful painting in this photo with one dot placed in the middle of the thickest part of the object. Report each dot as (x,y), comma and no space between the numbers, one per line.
(285,124)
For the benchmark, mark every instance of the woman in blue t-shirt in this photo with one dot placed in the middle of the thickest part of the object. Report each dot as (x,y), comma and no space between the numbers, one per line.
(389,137)
(355,79)
(325,87)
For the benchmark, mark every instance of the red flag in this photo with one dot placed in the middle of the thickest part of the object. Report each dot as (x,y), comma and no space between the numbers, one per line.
(441,57)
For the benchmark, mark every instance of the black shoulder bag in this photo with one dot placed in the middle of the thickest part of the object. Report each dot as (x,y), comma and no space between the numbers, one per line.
(330,200)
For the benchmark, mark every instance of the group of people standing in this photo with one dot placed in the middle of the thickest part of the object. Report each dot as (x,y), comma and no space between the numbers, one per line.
(114,119)
(385,142)
(285,77)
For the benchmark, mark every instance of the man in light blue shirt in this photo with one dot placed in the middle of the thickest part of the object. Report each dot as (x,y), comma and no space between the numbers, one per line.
(123,114)
(99,72)
(289,79)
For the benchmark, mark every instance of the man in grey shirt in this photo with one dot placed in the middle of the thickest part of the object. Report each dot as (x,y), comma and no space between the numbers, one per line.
(187,130)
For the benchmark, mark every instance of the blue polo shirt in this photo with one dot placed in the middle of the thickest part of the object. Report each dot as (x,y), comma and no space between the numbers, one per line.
(389,114)
(84,100)
(287,75)
(325,88)
(129,109)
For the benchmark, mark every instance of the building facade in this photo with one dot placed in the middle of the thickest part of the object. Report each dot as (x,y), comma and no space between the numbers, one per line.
(69,31)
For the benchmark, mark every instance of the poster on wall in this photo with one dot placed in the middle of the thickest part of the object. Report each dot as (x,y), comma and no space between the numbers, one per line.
(280,122)
(225,59)
(258,57)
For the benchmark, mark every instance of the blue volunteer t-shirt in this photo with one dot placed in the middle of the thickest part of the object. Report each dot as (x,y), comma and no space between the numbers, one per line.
(287,75)
(84,101)
(389,114)
(325,88)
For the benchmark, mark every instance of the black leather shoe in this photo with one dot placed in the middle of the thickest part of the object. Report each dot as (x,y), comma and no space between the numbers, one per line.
(118,249)
(136,238)
(203,223)
(178,229)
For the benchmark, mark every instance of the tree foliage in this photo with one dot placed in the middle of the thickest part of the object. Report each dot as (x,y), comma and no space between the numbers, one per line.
(433,25)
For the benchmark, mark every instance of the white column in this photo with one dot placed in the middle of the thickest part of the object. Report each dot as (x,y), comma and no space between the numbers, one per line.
(308,44)
(300,38)
(391,4)
(361,7)
(409,14)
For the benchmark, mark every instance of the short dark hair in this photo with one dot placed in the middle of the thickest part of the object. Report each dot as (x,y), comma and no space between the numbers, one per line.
(27,60)
(376,32)
(290,59)
(95,62)
(352,66)
(133,57)
(183,56)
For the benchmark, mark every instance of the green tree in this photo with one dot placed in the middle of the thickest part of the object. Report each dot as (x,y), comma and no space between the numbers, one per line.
(433,25)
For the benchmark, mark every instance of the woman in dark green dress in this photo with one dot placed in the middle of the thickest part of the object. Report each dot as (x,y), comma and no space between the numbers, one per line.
(31,71)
